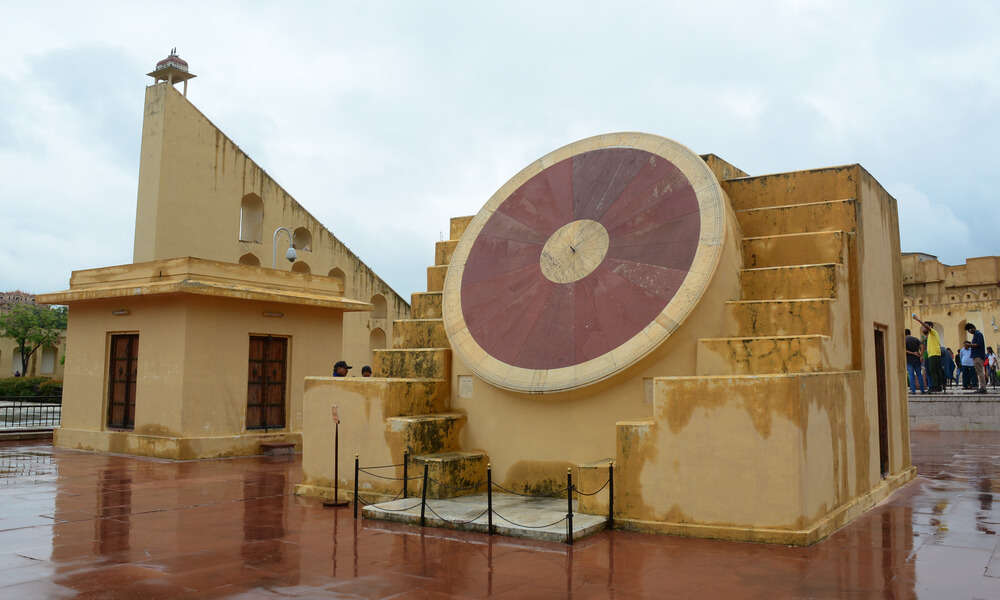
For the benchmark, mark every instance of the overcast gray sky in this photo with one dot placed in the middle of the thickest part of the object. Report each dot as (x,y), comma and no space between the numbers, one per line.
(385,119)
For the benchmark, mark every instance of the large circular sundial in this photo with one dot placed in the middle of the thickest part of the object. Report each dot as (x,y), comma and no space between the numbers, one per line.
(584,262)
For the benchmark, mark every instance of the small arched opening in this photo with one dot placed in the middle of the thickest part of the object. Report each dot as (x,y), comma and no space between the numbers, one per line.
(380,310)
(906,302)
(376,341)
(301,267)
(251,218)
(984,296)
(339,276)
(968,296)
(302,239)
(250,259)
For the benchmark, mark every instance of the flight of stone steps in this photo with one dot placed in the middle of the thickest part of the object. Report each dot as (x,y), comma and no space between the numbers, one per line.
(793,315)
(421,352)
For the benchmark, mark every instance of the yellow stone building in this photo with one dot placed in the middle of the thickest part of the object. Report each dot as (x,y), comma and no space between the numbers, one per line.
(201,346)
(953,295)
(732,342)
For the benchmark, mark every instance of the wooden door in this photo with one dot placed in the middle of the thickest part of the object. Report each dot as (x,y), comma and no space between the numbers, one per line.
(268,370)
(883,412)
(123,367)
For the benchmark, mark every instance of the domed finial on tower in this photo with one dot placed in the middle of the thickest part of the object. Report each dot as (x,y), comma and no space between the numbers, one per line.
(172,69)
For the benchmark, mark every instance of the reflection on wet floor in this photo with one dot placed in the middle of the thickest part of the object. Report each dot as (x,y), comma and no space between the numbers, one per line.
(85,525)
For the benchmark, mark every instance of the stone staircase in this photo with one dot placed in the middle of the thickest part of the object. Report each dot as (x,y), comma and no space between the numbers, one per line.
(793,316)
(420,352)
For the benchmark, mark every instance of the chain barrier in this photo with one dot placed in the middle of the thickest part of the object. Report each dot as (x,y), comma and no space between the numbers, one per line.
(490,484)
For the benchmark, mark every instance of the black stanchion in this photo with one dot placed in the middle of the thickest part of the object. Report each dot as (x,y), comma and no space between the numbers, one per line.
(611,495)
(423,498)
(336,465)
(489,498)
(569,504)
(406,465)
(357,468)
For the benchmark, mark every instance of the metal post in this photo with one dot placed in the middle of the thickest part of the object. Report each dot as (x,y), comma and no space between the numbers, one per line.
(406,470)
(423,497)
(611,495)
(357,468)
(569,505)
(336,469)
(489,498)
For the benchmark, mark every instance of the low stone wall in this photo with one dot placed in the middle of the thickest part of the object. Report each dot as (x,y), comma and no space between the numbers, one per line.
(955,412)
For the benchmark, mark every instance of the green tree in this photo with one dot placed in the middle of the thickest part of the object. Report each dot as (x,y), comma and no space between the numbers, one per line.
(33,327)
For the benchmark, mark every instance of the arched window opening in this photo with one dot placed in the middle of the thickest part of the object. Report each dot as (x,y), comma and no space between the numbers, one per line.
(968,296)
(250,259)
(48,360)
(251,218)
(380,310)
(984,296)
(301,267)
(954,298)
(906,301)
(376,341)
(302,239)
(337,274)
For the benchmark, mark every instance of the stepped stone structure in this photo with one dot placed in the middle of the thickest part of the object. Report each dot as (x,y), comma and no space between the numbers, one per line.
(732,342)
(200,347)
(953,295)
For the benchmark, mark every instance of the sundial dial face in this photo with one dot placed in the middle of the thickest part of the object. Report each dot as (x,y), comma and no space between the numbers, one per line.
(584,262)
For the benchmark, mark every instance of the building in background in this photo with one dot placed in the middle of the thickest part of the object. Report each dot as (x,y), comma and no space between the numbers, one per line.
(953,295)
(45,362)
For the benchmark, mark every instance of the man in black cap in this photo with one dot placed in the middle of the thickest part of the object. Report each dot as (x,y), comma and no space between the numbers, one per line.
(366,371)
(340,368)
(978,355)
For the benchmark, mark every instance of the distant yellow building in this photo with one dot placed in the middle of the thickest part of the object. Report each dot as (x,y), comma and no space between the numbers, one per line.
(953,295)
(200,347)
(45,362)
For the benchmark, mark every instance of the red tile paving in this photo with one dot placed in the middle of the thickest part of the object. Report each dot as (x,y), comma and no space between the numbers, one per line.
(93,526)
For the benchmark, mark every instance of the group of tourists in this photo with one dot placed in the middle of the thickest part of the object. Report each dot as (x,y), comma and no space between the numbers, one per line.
(933,366)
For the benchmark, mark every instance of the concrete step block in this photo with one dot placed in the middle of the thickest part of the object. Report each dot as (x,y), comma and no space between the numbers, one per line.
(832,215)
(419,333)
(782,189)
(425,305)
(433,363)
(794,249)
(763,355)
(754,318)
(790,283)
(443,251)
(435,277)
(424,434)
(458,225)
(451,474)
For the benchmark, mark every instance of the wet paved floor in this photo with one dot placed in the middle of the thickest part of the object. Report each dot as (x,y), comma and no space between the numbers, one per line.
(83,525)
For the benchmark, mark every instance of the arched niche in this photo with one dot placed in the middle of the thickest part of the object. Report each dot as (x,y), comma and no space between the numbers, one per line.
(250,259)
(251,218)
(301,267)
(381,309)
(338,274)
(376,341)
(302,239)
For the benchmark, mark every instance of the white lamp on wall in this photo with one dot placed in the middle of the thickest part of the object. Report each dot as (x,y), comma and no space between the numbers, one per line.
(290,255)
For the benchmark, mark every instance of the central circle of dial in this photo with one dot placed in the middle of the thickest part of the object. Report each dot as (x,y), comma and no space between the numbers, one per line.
(574,250)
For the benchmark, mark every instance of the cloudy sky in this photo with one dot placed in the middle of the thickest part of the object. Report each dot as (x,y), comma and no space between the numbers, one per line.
(385,119)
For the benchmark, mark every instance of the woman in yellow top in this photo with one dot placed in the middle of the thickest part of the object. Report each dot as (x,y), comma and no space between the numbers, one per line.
(933,350)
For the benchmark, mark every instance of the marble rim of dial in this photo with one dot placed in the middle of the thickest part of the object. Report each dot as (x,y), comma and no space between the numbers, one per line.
(504,371)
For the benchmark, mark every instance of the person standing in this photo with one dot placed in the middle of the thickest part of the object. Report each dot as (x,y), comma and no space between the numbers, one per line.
(978,345)
(913,352)
(968,367)
(991,366)
(948,364)
(933,350)
(340,368)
